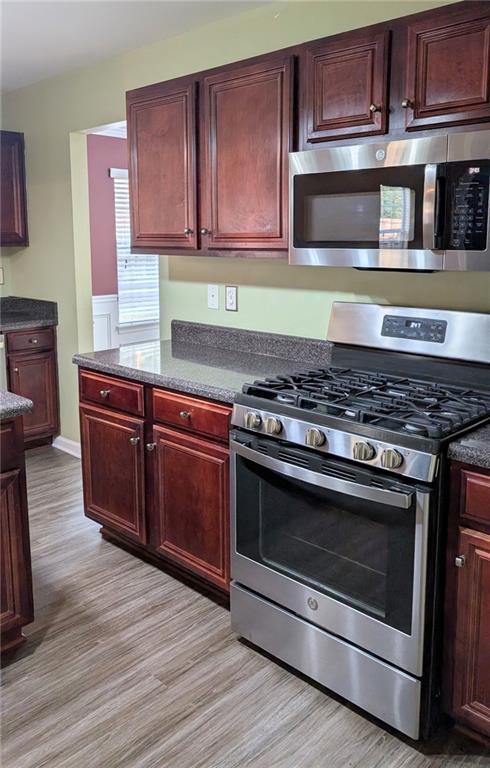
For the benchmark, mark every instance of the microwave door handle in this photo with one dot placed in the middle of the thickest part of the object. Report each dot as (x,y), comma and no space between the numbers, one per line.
(430,204)
(439,212)
(379,495)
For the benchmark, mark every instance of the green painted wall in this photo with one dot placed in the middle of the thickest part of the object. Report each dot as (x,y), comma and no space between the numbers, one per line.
(272,296)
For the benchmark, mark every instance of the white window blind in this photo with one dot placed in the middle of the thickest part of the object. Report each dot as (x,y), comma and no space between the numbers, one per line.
(137,274)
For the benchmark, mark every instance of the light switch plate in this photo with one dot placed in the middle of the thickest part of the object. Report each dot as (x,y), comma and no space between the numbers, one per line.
(2,277)
(213,297)
(231,295)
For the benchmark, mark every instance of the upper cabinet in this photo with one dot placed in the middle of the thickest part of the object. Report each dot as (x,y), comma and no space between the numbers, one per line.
(344,86)
(162,165)
(448,69)
(13,211)
(246,137)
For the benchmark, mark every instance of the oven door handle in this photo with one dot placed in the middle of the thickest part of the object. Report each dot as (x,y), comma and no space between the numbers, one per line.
(380,495)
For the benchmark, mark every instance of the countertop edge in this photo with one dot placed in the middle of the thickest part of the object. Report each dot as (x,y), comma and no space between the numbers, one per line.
(473,448)
(12,406)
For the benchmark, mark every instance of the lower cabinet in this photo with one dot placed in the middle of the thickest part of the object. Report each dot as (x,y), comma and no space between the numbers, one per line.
(16,604)
(191,503)
(35,376)
(471,681)
(467,625)
(113,470)
(163,489)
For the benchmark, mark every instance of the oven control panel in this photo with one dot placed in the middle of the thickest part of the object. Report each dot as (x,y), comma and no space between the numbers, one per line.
(415,328)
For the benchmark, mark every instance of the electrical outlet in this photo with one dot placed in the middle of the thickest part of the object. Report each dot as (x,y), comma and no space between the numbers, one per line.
(231,293)
(213,297)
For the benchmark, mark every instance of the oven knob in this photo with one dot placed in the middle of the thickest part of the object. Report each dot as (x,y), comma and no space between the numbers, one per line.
(252,420)
(272,425)
(391,459)
(363,451)
(314,437)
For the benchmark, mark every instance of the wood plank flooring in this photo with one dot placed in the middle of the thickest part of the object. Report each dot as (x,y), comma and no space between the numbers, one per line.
(125,667)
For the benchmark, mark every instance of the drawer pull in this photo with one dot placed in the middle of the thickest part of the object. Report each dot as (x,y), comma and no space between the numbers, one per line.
(460,561)
(185,415)
(134,440)
(33,341)
(104,393)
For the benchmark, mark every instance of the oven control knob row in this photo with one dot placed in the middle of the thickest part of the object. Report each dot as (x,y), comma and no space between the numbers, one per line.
(363,451)
(391,459)
(273,426)
(315,438)
(252,420)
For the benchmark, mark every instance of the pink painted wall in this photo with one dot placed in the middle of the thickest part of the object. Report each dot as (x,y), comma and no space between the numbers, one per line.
(103,152)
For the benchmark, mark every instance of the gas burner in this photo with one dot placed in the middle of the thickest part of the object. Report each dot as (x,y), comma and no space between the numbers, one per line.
(396,403)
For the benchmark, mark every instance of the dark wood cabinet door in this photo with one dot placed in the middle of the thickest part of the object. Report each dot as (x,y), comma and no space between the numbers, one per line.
(162,165)
(113,470)
(344,87)
(191,504)
(13,218)
(35,376)
(448,69)
(471,677)
(246,129)
(15,567)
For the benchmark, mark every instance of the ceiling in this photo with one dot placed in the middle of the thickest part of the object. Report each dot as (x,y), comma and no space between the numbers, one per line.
(42,39)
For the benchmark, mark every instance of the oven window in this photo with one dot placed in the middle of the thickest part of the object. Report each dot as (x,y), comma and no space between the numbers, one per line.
(375,208)
(356,551)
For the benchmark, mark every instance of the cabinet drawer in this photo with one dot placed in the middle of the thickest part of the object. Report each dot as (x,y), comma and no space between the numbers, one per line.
(113,393)
(29,341)
(475,495)
(192,414)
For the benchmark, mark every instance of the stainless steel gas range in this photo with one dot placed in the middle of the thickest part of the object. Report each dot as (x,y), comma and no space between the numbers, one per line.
(338,504)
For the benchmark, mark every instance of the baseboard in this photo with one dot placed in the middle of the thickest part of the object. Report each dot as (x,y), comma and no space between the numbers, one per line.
(68,446)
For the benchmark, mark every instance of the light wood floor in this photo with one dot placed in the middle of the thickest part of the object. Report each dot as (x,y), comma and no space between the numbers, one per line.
(127,668)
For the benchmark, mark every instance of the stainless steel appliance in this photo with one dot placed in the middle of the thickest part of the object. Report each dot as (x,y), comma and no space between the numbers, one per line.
(338,483)
(417,204)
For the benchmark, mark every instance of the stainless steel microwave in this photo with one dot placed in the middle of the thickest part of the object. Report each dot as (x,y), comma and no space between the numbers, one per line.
(416,204)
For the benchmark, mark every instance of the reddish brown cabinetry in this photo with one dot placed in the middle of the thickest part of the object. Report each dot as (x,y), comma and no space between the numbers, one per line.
(191,492)
(113,470)
(467,642)
(162,490)
(16,605)
(246,128)
(448,68)
(344,86)
(13,210)
(162,165)
(34,376)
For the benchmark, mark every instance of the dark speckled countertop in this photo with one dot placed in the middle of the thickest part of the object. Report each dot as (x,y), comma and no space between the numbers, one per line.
(472,448)
(12,405)
(17,313)
(209,361)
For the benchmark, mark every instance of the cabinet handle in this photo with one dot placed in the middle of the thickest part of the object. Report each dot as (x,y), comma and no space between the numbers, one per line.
(16,370)
(33,341)
(459,561)
(374,108)
(204,231)
(407,103)
(134,440)
(185,414)
(104,393)
(151,446)
(188,231)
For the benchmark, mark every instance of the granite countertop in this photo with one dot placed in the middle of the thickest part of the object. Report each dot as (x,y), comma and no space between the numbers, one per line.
(209,361)
(12,405)
(17,313)
(472,448)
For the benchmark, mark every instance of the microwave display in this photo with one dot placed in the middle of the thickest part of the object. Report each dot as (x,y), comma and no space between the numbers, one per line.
(468,205)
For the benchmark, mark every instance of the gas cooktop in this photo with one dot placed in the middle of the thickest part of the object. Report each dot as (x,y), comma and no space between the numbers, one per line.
(403,405)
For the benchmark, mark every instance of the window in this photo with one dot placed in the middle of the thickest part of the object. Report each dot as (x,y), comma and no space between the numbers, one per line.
(137,274)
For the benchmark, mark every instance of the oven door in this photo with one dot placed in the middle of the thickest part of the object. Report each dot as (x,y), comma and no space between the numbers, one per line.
(368,206)
(349,555)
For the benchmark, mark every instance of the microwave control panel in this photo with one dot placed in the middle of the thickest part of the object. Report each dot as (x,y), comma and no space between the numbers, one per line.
(468,205)
(415,328)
